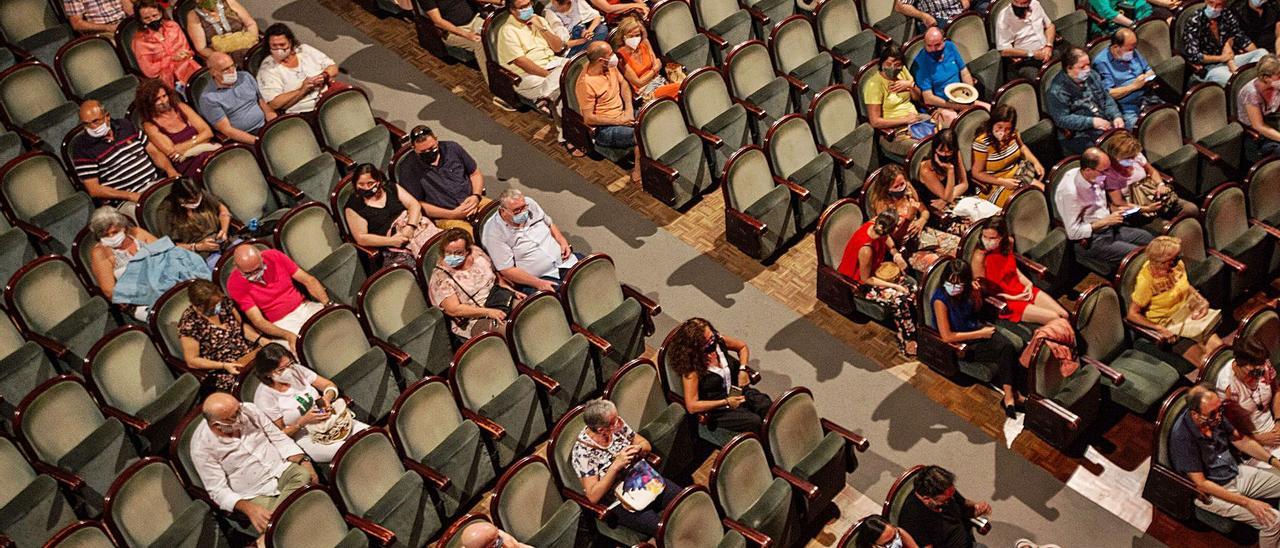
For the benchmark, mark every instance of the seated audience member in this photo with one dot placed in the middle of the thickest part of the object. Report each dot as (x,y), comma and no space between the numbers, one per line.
(381,220)
(246,464)
(912,233)
(215,339)
(891,96)
(938,65)
(1096,232)
(294,398)
(98,17)
(576,23)
(233,104)
(928,14)
(444,179)
(1213,38)
(956,307)
(1081,107)
(1164,300)
(222,26)
(1132,181)
(944,175)
(262,286)
(527,46)
(604,453)
(936,514)
(131,267)
(1117,14)
(642,68)
(161,47)
(464,285)
(994,263)
(870,259)
(604,99)
(113,160)
(527,247)
(195,220)
(1002,164)
(615,10)
(486,535)
(878,533)
(1201,447)
(715,382)
(173,127)
(1126,76)
(1260,19)
(1257,105)
(1024,36)
(294,76)
(1249,390)
(460,24)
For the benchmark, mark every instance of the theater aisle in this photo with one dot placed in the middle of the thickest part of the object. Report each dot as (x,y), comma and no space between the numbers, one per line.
(904,426)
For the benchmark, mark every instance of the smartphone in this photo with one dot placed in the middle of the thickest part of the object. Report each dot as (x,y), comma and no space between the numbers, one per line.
(1131,211)
(734,390)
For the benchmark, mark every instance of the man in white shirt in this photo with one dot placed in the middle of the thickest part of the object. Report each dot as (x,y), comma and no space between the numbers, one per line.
(294,76)
(1024,35)
(527,248)
(247,465)
(1096,232)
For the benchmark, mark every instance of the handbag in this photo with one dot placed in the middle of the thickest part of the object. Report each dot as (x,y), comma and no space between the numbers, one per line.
(408,255)
(640,486)
(1148,191)
(335,428)
(888,271)
(499,297)
(1026,173)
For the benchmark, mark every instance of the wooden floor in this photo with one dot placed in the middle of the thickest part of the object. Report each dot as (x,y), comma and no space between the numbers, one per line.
(1126,442)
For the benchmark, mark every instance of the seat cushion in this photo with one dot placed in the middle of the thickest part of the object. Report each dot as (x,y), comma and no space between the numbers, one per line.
(561,529)
(774,97)
(341,273)
(64,220)
(406,509)
(816,71)
(316,177)
(372,146)
(194,527)
(1245,242)
(370,384)
(983,371)
(55,124)
(1050,251)
(735,29)
(82,329)
(464,458)
(771,512)
(518,410)
(829,448)
(36,512)
(571,366)
(100,457)
(729,118)
(174,400)
(1146,380)
(117,94)
(661,430)
(692,53)
(1075,387)
(426,340)
(624,329)
(816,171)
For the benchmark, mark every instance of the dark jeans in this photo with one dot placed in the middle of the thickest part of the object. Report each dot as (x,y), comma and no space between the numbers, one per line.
(1110,245)
(616,136)
(1257,149)
(1079,141)
(1028,68)
(646,521)
(748,417)
(601,33)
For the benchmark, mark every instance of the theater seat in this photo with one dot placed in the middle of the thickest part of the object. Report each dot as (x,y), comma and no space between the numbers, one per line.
(376,485)
(90,69)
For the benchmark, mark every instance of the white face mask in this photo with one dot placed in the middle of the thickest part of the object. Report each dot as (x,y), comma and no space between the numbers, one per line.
(280,54)
(632,42)
(895,543)
(113,241)
(990,244)
(281,376)
(953,289)
(100,131)
(195,204)
(613,61)
(229,78)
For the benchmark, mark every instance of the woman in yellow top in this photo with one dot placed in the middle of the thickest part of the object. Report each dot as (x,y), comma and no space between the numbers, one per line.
(1001,163)
(890,96)
(1164,300)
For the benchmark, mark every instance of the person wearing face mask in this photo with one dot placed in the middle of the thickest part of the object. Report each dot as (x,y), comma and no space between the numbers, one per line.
(527,247)
(175,128)
(577,24)
(1215,39)
(1165,302)
(1127,76)
(956,308)
(1024,36)
(891,97)
(604,99)
(244,461)
(1096,232)
(215,339)
(117,241)
(234,105)
(113,160)
(601,456)
(194,219)
(871,250)
(294,76)
(936,515)
(715,383)
(937,66)
(293,397)
(444,179)
(384,216)
(97,17)
(1260,21)
(875,532)
(1250,388)
(1200,447)
(1132,181)
(161,48)
(262,285)
(944,176)
(931,13)
(993,262)
(1256,108)
(464,285)
(1081,107)
(921,243)
(527,46)
(1002,164)
(222,26)
(639,65)
(1117,14)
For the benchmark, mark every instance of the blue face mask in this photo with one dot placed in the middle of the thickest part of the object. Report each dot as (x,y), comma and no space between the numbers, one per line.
(520,218)
(953,289)
(1126,56)
(1257,3)
(217,309)
(1211,13)
(454,261)
(525,14)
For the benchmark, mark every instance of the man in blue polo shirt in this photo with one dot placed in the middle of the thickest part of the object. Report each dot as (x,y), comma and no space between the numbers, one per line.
(1126,75)
(443,178)
(938,65)
(233,105)
(1200,448)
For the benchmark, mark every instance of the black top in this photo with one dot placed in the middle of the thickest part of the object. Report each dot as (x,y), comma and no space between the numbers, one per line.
(1191,451)
(458,12)
(947,528)
(1259,27)
(445,184)
(711,385)
(379,219)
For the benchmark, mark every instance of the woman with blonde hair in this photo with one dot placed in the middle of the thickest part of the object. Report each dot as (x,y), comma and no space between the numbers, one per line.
(641,67)
(922,244)
(1163,300)
(1132,181)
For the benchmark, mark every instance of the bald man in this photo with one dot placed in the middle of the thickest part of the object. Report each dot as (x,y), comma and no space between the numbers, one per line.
(234,105)
(247,465)
(483,534)
(1126,76)
(604,99)
(113,159)
(938,65)
(1096,231)
(262,286)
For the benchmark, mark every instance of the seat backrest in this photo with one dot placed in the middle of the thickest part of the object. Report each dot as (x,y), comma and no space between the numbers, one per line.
(1055,9)
(165,315)
(904,487)
(710,13)
(1264,326)
(1264,189)
(1238,80)
(835,229)
(875,11)
(127,370)
(969,33)
(1047,74)
(57,416)
(307,518)
(332,340)
(569,76)
(10,339)
(636,390)
(538,328)
(1154,42)
(931,282)
(592,290)
(1191,233)
(28,90)
(670,24)
(1180,24)
(919,153)
(747,178)
(1219,360)
(180,448)
(145,501)
(233,176)
(1127,275)
(525,498)
(481,370)
(749,68)
(1225,218)
(560,448)
(661,127)
(865,75)
(703,96)
(1169,415)
(150,204)
(793,428)
(15,472)
(1160,132)
(994,13)
(1204,111)
(391,299)
(87,64)
(22,19)
(790,145)
(1027,213)
(833,115)
(792,43)
(837,21)
(128,27)
(365,469)
(741,475)
(344,115)
(34,183)
(82,534)
(45,292)
(1057,176)
(308,235)
(1099,323)
(423,416)
(967,127)
(287,143)
(1025,101)
(690,521)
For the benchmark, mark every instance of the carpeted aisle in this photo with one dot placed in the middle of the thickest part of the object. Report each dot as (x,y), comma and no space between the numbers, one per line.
(904,426)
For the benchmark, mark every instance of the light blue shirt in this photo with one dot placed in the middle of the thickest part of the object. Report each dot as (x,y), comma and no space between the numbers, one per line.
(238,104)
(1116,73)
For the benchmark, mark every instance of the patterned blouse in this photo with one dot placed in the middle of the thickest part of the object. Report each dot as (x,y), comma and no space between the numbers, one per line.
(590,459)
(470,286)
(1201,40)
(220,343)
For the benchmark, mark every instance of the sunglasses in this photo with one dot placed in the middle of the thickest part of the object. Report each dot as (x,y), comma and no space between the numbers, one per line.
(419,132)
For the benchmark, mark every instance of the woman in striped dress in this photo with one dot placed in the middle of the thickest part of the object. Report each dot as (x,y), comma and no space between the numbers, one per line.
(1001,162)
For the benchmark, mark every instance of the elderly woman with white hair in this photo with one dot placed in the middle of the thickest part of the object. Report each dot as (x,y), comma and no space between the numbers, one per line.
(526,246)
(124,256)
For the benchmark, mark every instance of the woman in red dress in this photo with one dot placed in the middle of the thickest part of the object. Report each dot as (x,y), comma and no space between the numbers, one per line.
(994,262)
(867,249)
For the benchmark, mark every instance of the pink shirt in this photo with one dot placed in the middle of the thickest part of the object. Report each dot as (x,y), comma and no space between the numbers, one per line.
(154,51)
(275,294)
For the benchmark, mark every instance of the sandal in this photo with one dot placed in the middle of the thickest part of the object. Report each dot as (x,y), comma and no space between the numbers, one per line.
(574,151)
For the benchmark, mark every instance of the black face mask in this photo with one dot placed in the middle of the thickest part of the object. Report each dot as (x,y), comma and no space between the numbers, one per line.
(155,25)
(1020,11)
(1257,372)
(944,159)
(368,192)
(430,156)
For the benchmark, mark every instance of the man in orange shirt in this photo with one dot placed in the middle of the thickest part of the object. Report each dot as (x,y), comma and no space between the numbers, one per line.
(604,99)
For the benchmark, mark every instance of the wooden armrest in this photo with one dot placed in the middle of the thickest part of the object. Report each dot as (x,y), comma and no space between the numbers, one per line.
(1072,420)
(716,39)
(711,138)
(1229,261)
(996,303)
(666,170)
(751,222)
(1107,371)
(1182,481)
(401,357)
(284,187)
(799,191)
(1209,154)
(549,384)
(1273,231)
(600,511)
(340,157)
(56,348)
(33,230)
(860,443)
(595,340)
(31,138)
(128,420)
(507,74)
(493,429)
(844,161)
(981,524)
(72,481)
(760,539)
(751,108)
(842,61)
(365,250)
(383,535)
(396,132)
(6,542)
(651,308)
(1040,270)
(1145,331)
(796,83)
(1253,133)
(428,473)
(757,15)
(808,490)
(881,36)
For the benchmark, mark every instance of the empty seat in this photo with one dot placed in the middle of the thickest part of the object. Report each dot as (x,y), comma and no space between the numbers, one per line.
(52,308)
(1036,238)
(148,506)
(841,32)
(290,152)
(813,449)
(32,508)
(233,175)
(636,390)
(90,69)
(760,214)
(691,520)
(882,17)
(35,105)
(39,197)
(1070,22)
(1106,343)
(795,159)
(833,116)
(309,517)
(755,85)
(527,505)
(1155,45)
(598,303)
(333,344)
(401,322)
(713,116)
(797,58)
(137,387)
(725,22)
(82,534)
(347,125)
(34,26)
(1060,408)
(676,37)
(492,391)
(376,485)
(1244,247)
(766,14)
(1207,125)
(674,165)
(969,33)
(23,367)
(752,495)
(540,338)
(309,236)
